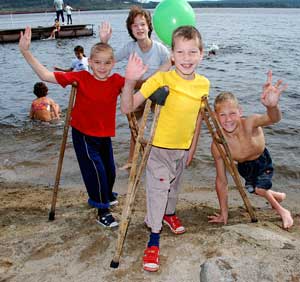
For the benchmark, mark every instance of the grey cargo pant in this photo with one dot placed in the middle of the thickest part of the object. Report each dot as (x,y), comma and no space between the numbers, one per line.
(163,176)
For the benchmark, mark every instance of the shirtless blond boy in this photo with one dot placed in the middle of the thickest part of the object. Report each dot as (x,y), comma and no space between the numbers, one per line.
(246,142)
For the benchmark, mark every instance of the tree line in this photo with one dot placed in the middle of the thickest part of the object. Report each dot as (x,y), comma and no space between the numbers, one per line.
(9,6)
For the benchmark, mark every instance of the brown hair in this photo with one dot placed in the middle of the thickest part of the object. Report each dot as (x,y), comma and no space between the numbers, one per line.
(40,89)
(101,47)
(225,96)
(187,32)
(138,11)
(79,49)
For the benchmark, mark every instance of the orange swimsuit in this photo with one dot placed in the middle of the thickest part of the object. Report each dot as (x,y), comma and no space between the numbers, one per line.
(40,105)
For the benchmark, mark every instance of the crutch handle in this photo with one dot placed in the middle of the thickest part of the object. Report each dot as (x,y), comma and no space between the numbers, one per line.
(160,95)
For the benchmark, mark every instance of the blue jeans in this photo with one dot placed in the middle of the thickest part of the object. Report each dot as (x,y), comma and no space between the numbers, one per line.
(60,13)
(97,166)
(69,19)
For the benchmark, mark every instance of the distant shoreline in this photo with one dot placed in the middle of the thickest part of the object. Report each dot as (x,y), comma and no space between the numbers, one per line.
(49,10)
(21,12)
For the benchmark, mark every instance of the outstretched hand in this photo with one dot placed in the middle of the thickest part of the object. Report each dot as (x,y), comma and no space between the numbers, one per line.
(135,67)
(25,39)
(105,32)
(271,93)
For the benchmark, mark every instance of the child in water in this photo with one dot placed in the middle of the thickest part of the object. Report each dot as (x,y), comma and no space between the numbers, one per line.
(79,63)
(43,108)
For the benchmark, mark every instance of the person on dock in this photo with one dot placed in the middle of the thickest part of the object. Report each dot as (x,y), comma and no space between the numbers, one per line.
(79,63)
(56,29)
(43,108)
(68,10)
(93,118)
(59,8)
(246,141)
(153,53)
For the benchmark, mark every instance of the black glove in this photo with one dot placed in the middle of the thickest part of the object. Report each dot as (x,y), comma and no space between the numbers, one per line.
(160,95)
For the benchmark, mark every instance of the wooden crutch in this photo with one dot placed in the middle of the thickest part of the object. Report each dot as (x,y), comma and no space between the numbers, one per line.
(62,150)
(135,176)
(218,137)
(133,125)
(134,128)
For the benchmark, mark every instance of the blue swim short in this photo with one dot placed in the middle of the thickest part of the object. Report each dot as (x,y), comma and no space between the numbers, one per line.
(257,173)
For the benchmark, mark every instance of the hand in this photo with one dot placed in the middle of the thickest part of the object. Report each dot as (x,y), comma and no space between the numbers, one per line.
(271,93)
(105,32)
(135,68)
(217,218)
(25,39)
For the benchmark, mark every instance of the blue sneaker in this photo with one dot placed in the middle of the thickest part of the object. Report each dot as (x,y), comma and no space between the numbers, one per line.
(107,220)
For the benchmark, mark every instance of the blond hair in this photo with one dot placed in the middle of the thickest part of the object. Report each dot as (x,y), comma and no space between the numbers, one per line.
(101,47)
(225,96)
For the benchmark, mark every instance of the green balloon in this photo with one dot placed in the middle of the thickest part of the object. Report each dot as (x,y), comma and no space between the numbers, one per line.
(170,14)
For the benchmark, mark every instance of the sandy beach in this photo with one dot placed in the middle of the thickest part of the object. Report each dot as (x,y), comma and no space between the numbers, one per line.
(74,248)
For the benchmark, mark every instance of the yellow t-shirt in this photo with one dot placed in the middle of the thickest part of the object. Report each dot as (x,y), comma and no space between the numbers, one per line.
(177,120)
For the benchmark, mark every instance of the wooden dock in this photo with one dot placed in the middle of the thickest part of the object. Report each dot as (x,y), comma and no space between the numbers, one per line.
(43,32)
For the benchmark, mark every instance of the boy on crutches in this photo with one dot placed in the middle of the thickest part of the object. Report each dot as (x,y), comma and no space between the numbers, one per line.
(93,118)
(176,135)
(246,142)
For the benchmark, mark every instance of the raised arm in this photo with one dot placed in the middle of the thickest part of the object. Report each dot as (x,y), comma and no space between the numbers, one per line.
(271,93)
(24,44)
(164,67)
(105,32)
(270,99)
(221,187)
(134,71)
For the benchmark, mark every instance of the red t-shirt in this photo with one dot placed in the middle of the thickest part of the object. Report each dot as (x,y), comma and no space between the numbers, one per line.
(94,112)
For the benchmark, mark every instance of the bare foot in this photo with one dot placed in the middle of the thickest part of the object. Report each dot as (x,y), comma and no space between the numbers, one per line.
(217,218)
(126,166)
(287,220)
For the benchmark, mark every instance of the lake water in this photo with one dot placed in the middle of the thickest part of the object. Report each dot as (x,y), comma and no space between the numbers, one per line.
(251,42)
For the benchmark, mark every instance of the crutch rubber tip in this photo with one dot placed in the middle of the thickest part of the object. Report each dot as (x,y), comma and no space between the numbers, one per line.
(114,264)
(51,215)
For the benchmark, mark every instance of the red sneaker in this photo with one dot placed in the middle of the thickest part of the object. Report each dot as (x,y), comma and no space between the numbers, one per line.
(151,259)
(174,223)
